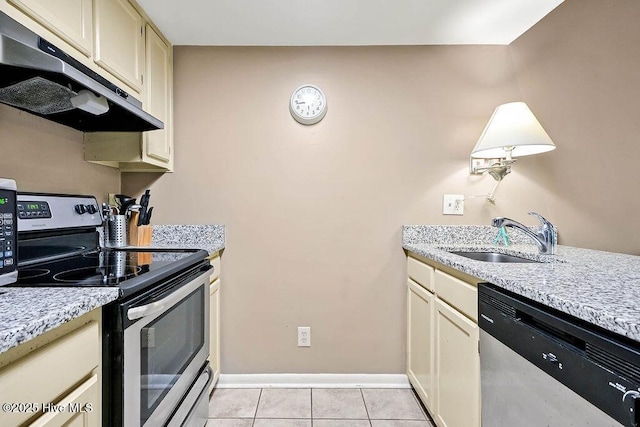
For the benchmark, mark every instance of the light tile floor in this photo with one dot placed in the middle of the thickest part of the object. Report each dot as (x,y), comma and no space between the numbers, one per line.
(318,407)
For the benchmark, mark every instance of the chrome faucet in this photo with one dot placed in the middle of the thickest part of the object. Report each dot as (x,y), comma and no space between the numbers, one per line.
(546,236)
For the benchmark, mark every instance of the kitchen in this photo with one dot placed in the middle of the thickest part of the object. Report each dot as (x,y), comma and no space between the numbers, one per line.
(314,214)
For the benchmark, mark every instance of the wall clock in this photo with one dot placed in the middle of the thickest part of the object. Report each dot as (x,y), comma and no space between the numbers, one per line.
(308,105)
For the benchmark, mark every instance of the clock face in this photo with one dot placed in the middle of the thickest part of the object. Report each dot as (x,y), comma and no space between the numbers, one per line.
(308,104)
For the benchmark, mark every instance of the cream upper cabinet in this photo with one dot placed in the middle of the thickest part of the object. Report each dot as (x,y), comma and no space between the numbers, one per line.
(119,40)
(420,348)
(150,151)
(72,20)
(158,99)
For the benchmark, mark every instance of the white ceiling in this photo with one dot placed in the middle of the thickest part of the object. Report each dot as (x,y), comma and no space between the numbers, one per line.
(344,22)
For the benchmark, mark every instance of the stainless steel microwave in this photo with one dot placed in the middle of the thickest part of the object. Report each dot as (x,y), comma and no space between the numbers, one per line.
(8,232)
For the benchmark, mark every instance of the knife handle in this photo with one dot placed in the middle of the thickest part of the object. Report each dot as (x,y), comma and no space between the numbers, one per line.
(147,217)
(141,216)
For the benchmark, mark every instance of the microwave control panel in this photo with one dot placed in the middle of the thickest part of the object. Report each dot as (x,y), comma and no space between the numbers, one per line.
(9,231)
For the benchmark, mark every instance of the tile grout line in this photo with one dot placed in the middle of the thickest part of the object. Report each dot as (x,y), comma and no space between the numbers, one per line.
(365,407)
(311,401)
(255,414)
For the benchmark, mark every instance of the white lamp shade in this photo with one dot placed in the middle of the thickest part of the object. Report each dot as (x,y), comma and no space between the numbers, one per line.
(512,127)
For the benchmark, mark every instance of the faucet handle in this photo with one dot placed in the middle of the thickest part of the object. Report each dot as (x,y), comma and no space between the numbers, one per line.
(549,232)
(542,219)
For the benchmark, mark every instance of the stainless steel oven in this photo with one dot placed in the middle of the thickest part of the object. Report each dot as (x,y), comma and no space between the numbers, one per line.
(155,336)
(166,346)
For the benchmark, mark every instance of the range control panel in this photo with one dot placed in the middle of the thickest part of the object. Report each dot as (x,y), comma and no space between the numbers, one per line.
(33,210)
(8,234)
(39,212)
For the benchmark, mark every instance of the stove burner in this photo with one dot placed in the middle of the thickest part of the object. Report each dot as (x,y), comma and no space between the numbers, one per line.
(32,273)
(98,275)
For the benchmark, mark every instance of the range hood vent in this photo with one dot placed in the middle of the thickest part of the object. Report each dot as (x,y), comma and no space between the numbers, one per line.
(37,77)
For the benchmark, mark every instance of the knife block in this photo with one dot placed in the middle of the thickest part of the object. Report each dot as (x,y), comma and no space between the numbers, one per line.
(138,235)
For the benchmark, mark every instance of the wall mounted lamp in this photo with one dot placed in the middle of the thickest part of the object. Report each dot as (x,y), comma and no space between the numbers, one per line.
(513,131)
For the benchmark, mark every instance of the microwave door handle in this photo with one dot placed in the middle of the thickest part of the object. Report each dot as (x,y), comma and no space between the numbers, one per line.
(146,310)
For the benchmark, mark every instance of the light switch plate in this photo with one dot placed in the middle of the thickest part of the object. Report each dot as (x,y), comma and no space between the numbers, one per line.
(453,204)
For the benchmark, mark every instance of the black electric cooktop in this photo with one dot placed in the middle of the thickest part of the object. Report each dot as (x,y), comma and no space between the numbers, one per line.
(127,269)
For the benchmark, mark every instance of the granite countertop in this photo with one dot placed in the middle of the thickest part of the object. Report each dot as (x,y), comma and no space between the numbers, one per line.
(208,237)
(602,288)
(26,313)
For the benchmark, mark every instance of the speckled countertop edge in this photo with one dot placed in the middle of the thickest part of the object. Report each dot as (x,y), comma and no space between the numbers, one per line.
(26,313)
(602,288)
(210,237)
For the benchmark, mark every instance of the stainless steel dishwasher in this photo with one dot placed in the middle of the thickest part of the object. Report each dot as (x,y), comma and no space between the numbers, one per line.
(543,368)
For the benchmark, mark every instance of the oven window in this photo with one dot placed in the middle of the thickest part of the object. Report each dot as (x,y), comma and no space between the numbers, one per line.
(167,346)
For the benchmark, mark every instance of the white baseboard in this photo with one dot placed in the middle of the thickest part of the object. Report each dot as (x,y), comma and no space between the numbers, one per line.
(313,381)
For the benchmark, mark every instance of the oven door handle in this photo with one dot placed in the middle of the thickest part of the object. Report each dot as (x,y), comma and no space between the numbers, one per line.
(158,306)
(146,310)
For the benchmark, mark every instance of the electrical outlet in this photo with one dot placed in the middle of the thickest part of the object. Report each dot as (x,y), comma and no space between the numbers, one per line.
(453,204)
(304,336)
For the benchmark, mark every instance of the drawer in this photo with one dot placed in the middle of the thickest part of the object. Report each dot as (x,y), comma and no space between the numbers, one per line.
(81,407)
(50,372)
(215,262)
(458,294)
(421,273)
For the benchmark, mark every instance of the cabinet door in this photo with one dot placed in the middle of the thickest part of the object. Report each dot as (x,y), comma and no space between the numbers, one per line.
(214,329)
(457,368)
(80,408)
(119,40)
(158,98)
(72,20)
(420,341)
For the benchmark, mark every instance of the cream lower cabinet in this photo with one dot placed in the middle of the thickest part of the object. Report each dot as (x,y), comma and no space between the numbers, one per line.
(420,367)
(457,361)
(56,377)
(443,362)
(214,320)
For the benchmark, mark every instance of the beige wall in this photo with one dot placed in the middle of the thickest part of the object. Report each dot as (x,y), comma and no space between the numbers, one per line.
(578,69)
(314,214)
(45,156)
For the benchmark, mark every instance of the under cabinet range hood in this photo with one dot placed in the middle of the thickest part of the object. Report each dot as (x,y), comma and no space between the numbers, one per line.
(37,77)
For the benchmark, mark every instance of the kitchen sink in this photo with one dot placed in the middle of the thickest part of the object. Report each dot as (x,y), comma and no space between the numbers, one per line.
(493,257)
